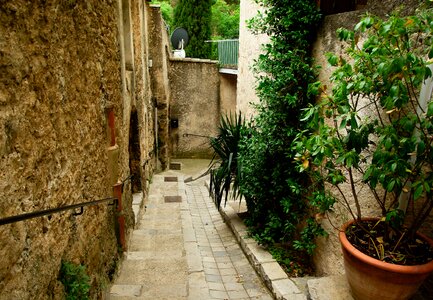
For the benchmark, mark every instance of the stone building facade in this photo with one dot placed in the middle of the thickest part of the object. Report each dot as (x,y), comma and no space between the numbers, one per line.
(76,117)
(89,99)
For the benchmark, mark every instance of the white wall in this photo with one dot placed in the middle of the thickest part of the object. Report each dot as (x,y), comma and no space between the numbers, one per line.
(249,49)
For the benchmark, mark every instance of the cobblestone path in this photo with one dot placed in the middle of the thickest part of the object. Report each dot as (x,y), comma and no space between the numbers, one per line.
(184,250)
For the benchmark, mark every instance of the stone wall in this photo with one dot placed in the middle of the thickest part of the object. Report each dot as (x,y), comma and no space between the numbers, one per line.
(159,56)
(194,107)
(62,74)
(189,94)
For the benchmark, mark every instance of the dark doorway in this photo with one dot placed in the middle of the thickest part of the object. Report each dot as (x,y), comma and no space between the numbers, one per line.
(134,153)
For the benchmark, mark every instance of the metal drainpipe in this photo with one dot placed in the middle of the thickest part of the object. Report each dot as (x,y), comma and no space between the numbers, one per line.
(117,192)
(156,136)
(112,127)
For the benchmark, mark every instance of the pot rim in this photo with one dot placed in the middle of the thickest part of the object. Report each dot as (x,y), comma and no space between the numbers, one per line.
(414,269)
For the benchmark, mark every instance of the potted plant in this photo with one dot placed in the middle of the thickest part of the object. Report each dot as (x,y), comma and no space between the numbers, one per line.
(375,131)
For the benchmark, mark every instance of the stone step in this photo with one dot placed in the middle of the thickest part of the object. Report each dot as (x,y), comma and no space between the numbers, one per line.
(329,288)
(137,199)
(336,288)
(175,166)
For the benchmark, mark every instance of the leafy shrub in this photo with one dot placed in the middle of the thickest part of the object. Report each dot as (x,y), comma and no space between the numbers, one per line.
(75,280)
(380,128)
(279,209)
(225,20)
(195,17)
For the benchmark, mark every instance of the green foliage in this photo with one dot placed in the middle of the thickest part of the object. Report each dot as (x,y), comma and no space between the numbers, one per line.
(166,11)
(273,189)
(224,167)
(195,17)
(381,127)
(225,20)
(290,260)
(75,280)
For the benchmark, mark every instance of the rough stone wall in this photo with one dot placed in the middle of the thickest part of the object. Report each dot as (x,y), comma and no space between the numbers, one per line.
(195,105)
(142,107)
(56,78)
(159,55)
(147,124)
(228,93)
(328,259)
(64,65)
(249,49)
(186,93)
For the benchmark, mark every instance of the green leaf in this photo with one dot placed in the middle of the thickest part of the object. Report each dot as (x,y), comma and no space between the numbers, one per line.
(332,59)
(367,174)
(426,187)
(418,192)
(390,185)
(344,34)
(343,123)
(430,109)
(394,91)
(420,148)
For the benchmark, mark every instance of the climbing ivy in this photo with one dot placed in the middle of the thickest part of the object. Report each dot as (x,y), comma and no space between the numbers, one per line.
(279,211)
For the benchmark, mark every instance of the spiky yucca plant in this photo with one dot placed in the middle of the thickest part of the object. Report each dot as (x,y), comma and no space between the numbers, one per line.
(224,169)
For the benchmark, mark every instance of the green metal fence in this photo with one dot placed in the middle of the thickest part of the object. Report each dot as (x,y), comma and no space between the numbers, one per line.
(228,53)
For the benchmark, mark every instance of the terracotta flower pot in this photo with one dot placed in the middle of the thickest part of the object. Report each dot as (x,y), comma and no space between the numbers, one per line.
(370,278)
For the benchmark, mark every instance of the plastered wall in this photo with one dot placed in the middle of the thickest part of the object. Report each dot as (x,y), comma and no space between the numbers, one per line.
(249,49)
(194,107)
(228,90)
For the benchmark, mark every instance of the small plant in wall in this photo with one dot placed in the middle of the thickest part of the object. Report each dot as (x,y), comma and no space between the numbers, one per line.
(75,280)
(375,132)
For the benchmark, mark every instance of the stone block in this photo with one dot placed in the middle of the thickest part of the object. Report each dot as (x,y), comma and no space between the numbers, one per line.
(259,254)
(286,289)
(272,271)
(175,166)
(192,252)
(126,290)
(189,234)
(329,288)
(137,198)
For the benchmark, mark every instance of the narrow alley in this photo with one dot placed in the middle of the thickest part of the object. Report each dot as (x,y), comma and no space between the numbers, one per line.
(182,249)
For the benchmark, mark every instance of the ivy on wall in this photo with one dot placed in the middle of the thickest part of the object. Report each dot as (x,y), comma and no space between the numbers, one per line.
(280,214)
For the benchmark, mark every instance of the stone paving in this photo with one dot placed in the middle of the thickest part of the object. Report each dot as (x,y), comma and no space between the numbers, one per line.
(184,250)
